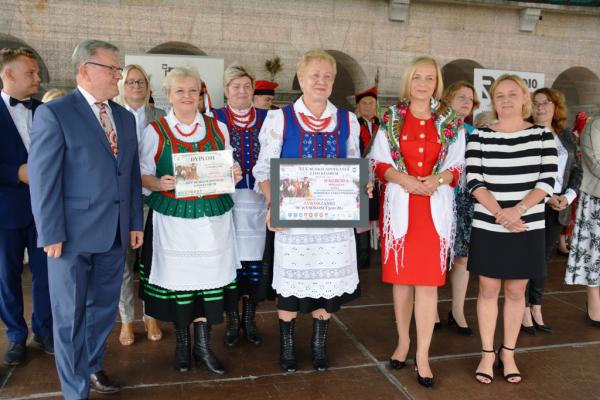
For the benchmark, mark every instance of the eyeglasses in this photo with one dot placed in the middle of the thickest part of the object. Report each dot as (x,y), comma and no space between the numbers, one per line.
(544,104)
(114,70)
(141,83)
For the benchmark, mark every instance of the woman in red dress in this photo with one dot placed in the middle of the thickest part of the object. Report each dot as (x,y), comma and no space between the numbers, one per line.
(419,155)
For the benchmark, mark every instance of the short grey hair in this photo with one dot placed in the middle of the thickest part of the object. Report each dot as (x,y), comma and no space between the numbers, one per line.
(235,71)
(180,72)
(87,49)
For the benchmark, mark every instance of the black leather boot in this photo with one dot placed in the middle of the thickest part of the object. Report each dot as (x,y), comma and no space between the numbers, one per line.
(287,353)
(182,349)
(363,249)
(319,344)
(202,351)
(249,321)
(232,328)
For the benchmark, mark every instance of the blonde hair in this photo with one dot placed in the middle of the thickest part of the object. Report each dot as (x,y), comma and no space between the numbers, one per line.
(121,84)
(235,71)
(315,55)
(484,119)
(52,94)
(410,71)
(526,110)
(450,92)
(179,73)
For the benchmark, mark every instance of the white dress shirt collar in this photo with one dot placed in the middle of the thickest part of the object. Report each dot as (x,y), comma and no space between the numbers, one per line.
(6,97)
(91,100)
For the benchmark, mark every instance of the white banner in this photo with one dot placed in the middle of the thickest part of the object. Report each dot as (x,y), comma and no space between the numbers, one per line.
(484,78)
(158,65)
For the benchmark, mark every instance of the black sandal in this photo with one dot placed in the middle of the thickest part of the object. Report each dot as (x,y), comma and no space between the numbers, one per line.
(483,374)
(508,377)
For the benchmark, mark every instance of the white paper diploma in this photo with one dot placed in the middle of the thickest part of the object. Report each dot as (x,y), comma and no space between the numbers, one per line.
(203,173)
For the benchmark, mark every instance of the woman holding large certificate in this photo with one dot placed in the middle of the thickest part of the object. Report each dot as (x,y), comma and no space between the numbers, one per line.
(315,269)
(419,154)
(190,253)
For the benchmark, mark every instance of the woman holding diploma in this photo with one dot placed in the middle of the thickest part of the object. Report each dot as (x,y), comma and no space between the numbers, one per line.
(244,122)
(190,254)
(419,155)
(314,269)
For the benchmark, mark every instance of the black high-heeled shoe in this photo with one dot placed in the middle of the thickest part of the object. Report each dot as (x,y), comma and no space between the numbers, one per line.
(424,381)
(397,364)
(489,377)
(541,327)
(589,319)
(463,330)
(530,330)
(508,377)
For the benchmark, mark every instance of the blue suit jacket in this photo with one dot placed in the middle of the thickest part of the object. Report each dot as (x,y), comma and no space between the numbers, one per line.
(15,203)
(81,194)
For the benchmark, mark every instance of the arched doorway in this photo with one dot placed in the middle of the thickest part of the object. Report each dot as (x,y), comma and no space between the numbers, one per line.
(178,48)
(459,70)
(11,41)
(581,88)
(350,79)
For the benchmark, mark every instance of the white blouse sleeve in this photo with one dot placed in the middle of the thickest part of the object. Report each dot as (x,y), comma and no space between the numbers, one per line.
(354,138)
(271,141)
(148,147)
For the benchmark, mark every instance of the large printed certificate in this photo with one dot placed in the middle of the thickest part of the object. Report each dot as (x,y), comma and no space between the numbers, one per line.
(319,192)
(203,173)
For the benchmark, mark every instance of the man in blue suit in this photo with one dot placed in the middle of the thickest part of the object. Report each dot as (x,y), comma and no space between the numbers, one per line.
(20,76)
(86,197)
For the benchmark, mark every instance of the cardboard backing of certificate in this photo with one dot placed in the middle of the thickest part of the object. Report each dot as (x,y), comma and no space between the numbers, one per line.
(203,173)
(319,193)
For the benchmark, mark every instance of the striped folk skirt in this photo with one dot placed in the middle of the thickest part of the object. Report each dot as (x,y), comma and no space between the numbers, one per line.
(178,306)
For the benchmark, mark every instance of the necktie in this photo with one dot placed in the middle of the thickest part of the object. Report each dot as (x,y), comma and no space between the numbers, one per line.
(109,130)
(28,104)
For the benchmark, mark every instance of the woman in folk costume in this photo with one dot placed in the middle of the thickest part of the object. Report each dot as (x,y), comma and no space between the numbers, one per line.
(419,154)
(190,253)
(315,269)
(244,122)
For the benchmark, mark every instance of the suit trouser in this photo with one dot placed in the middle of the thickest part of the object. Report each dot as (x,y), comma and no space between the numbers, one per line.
(535,287)
(12,247)
(84,290)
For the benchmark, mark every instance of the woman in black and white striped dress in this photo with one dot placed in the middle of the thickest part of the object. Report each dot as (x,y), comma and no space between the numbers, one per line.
(511,167)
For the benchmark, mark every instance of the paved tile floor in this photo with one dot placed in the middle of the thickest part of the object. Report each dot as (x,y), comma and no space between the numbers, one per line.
(562,365)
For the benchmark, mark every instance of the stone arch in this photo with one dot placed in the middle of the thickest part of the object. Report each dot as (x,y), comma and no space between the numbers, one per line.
(178,48)
(12,41)
(459,70)
(350,79)
(581,88)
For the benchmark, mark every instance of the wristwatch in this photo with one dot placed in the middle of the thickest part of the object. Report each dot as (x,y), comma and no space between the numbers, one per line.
(441,180)
(522,207)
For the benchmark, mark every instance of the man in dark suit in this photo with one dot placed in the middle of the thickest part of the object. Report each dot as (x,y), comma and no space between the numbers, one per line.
(20,76)
(86,199)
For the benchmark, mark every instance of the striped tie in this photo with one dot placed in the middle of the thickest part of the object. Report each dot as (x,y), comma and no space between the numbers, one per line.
(109,130)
